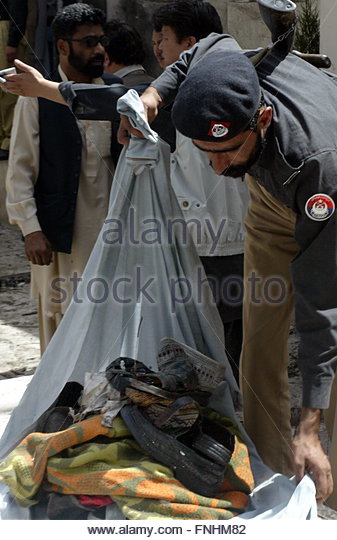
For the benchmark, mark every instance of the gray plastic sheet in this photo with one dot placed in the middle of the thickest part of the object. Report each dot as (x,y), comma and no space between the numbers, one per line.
(143,282)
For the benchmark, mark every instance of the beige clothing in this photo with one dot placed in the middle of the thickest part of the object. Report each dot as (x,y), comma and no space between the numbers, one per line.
(7,100)
(51,284)
(264,359)
(267,311)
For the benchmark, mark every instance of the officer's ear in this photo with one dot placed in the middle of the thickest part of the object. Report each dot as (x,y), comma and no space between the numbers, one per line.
(189,41)
(265,118)
(62,47)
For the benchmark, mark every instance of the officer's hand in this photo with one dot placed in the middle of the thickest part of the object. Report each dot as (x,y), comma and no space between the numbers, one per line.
(38,248)
(309,456)
(125,129)
(151,101)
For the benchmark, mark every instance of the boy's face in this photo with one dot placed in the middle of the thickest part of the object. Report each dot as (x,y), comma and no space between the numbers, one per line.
(156,41)
(170,48)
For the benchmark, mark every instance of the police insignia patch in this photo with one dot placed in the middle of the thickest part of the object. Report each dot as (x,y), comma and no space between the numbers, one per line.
(319,207)
(218,129)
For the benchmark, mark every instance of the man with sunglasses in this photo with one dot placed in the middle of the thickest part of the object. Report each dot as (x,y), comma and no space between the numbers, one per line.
(60,171)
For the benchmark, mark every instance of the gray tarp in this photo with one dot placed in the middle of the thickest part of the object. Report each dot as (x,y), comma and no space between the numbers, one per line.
(143,282)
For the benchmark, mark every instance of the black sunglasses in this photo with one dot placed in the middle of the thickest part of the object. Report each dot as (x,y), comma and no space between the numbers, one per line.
(91,41)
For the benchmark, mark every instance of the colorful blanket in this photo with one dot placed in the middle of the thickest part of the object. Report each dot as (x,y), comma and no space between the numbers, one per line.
(90,459)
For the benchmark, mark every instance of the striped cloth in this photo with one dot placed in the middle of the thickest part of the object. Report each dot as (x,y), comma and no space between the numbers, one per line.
(90,459)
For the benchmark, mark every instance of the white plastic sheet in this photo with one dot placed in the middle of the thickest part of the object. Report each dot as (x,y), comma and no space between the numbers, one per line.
(280,498)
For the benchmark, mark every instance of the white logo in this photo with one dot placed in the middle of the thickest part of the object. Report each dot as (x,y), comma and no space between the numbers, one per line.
(319,210)
(319,207)
(219,130)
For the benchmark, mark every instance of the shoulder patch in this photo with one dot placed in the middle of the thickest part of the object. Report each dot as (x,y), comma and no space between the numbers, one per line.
(319,207)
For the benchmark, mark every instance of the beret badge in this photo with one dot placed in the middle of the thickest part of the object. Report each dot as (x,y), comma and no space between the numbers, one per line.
(218,129)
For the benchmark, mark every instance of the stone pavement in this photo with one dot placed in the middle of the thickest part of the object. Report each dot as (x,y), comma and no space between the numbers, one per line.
(19,343)
(3,172)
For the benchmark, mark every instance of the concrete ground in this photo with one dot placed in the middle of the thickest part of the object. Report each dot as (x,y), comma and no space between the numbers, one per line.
(11,391)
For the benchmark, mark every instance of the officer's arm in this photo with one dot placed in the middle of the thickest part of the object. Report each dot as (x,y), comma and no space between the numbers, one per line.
(163,90)
(314,272)
(93,101)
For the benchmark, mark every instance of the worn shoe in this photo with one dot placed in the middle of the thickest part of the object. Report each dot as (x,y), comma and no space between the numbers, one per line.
(200,474)
(53,420)
(126,373)
(214,441)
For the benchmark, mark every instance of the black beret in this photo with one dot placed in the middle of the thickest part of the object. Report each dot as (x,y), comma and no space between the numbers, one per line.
(218,98)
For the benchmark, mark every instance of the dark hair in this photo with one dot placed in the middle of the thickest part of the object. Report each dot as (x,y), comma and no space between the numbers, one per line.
(188,18)
(66,21)
(125,46)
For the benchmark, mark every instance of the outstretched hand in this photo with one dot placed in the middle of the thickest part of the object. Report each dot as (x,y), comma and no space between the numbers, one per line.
(27,83)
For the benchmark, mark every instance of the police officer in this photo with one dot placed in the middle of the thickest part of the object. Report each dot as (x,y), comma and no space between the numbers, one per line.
(276,122)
